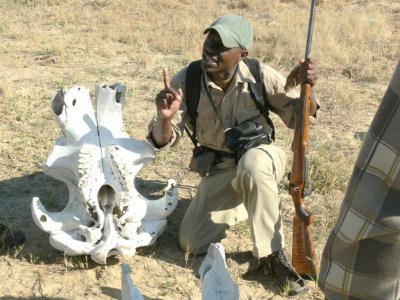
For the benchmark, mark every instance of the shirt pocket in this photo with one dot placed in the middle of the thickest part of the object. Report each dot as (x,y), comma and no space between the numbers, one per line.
(247,109)
(249,103)
(209,131)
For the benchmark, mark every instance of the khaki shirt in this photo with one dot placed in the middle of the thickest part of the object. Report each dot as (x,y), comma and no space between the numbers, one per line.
(234,106)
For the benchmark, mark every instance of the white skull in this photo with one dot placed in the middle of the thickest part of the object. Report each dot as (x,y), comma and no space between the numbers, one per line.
(98,162)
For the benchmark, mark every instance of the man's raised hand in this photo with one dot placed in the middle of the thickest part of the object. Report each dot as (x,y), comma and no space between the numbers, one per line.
(168,101)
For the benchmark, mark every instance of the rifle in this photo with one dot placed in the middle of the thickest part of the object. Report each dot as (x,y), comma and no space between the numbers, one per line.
(303,253)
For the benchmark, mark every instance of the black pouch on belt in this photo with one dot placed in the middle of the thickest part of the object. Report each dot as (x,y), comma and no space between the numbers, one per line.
(245,136)
(202,160)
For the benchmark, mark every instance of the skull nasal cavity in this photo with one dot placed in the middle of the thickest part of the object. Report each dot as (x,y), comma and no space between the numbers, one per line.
(106,197)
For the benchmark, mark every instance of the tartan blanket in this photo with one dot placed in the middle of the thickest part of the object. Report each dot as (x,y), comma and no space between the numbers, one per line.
(361,259)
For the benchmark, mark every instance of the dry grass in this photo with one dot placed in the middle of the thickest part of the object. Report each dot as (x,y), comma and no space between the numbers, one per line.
(46,45)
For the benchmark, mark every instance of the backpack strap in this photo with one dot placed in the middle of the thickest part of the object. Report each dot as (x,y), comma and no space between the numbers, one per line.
(193,87)
(259,92)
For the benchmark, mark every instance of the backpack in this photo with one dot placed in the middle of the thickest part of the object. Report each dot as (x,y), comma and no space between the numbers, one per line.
(257,91)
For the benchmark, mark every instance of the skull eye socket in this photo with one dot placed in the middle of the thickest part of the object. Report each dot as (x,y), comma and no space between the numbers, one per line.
(118,97)
(58,103)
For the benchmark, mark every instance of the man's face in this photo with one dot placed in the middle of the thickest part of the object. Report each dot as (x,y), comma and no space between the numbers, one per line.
(217,58)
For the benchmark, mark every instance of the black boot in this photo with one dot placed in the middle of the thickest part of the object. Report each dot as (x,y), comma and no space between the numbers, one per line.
(9,238)
(288,280)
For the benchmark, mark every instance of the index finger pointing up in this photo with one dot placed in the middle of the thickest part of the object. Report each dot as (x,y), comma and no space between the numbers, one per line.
(166,78)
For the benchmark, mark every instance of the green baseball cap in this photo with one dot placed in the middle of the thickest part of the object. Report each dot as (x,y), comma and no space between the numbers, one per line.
(235,31)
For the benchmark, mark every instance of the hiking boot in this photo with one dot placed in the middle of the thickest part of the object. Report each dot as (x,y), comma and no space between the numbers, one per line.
(9,238)
(287,278)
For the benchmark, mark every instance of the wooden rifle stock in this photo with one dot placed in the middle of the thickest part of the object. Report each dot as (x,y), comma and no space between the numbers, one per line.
(303,252)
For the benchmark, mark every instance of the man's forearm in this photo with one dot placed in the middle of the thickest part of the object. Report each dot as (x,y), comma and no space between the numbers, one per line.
(162,132)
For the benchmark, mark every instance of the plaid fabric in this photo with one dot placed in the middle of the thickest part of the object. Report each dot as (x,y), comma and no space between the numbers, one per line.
(361,259)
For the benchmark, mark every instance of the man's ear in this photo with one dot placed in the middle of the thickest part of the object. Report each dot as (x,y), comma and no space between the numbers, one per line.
(244,54)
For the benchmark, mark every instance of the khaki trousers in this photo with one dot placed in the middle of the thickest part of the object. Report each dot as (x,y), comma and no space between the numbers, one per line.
(232,194)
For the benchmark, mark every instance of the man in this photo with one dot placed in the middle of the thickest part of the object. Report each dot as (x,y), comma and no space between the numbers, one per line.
(232,192)
(361,259)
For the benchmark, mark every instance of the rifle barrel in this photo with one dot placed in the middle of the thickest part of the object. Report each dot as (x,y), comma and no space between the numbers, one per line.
(310,30)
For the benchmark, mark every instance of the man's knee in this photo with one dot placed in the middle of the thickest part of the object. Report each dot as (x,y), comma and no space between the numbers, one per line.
(188,244)
(196,240)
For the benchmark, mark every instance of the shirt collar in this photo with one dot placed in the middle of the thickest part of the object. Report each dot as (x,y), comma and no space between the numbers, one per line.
(241,76)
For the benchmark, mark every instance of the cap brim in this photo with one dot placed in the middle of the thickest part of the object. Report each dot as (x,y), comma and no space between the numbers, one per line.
(226,35)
